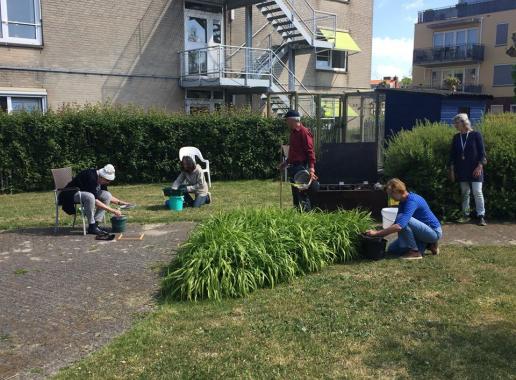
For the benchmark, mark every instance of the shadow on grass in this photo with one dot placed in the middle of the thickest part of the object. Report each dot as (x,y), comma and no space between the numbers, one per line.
(442,350)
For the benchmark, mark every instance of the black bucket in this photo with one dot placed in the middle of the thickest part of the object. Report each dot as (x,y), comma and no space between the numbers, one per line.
(373,247)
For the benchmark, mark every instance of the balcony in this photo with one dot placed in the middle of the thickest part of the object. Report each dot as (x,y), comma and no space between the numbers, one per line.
(428,57)
(226,66)
(471,8)
(467,88)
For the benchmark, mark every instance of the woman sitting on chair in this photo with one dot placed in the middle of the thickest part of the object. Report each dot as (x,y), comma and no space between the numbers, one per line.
(191,180)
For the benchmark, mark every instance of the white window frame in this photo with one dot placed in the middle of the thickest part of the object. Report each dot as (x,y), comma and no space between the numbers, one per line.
(455,37)
(40,94)
(4,25)
(330,63)
(496,108)
(513,108)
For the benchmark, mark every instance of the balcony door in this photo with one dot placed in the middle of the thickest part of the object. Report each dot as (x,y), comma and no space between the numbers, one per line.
(203,35)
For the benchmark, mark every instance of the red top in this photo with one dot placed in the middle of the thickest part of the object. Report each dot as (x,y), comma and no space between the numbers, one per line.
(301,147)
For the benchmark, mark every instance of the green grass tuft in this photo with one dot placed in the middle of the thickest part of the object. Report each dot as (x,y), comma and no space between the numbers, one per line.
(232,254)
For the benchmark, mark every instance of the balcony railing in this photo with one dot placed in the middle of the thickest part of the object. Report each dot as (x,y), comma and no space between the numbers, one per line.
(472,53)
(467,88)
(471,8)
(226,65)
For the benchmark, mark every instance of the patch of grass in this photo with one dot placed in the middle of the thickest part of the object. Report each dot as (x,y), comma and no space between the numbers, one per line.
(234,253)
(20,271)
(448,316)
(37,209)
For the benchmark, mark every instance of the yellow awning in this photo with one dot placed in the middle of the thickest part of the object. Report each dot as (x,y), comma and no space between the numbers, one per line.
(343,40)
(331,108)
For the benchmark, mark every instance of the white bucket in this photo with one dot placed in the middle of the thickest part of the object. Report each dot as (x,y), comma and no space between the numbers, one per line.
(388,216)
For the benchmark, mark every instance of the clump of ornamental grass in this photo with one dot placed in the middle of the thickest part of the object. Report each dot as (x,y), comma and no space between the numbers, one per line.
(232,254)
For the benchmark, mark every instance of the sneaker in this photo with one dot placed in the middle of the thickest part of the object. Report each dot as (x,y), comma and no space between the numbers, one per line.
(94,230)
(412,255)
(481,221)
(464,219)
(102,228)
(434,248)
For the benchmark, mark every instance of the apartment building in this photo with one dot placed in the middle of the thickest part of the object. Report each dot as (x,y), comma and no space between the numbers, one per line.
(468,41)
(180,55)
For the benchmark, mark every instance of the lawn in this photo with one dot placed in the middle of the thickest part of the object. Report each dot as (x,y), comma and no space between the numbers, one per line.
(450,316)
(37,209)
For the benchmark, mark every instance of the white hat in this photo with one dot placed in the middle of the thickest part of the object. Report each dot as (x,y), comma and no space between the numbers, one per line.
(107,172)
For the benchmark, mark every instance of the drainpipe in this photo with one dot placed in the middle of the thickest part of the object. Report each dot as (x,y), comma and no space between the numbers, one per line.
(292,69)
(248,38)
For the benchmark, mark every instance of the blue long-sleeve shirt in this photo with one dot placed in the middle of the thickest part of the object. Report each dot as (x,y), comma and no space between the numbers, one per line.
(416,207)
(474,154)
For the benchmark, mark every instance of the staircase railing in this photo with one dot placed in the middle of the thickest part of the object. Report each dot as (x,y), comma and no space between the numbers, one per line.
(312,19)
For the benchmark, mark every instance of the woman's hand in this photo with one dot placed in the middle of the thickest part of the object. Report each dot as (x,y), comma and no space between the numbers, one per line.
(478,171)
(451,175)
(117,212)
(371,232)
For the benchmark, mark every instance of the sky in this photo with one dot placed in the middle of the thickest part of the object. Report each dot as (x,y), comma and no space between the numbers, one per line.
(393,34)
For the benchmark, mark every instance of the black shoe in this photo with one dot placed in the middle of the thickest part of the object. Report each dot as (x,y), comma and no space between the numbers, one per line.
(104,229)
(94,230)
(481,221)
(208,199)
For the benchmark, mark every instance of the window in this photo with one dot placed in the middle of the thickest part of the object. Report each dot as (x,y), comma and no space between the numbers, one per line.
(198,101)
(20,22)
(455,38)
(496,108)
(502,32)
(502,75)
(513,108)
(22,102)
(331,60)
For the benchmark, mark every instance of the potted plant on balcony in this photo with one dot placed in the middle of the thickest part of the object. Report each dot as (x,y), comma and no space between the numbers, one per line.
(452,83)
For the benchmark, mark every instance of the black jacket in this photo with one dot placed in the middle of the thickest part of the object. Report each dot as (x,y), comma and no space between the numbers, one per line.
(86,180)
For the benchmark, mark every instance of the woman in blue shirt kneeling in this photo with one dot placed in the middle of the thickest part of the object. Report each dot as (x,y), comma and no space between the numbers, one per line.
(416,225)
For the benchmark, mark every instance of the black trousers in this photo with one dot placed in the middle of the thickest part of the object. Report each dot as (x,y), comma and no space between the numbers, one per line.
(301,199)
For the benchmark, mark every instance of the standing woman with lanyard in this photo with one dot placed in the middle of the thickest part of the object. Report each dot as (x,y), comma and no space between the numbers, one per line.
(467,160)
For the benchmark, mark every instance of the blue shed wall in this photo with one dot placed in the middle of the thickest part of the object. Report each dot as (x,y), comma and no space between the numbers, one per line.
(404,109)
(450,108)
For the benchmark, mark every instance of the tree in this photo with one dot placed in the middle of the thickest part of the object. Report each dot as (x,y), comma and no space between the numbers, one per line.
(406,82)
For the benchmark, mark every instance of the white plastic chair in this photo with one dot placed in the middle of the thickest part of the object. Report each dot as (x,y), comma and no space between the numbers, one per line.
(62,177)
(194,152)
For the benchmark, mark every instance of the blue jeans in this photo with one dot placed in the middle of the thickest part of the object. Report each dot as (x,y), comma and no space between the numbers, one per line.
(415,236)
(299,198)
(197,202)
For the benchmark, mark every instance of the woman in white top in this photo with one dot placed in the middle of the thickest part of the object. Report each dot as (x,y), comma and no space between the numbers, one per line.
(191,180)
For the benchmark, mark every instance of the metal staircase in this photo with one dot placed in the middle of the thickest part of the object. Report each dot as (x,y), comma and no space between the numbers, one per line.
(298,21)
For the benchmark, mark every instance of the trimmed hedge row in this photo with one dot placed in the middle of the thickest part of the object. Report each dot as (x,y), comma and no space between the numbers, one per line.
(420,157)
(143,145)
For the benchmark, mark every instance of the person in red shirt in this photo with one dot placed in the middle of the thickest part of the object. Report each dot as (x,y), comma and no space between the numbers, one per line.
(301,156)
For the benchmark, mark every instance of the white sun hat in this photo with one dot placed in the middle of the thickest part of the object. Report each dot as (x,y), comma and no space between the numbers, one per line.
(107,172)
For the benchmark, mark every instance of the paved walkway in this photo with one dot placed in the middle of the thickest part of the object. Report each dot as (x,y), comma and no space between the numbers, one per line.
(62,297)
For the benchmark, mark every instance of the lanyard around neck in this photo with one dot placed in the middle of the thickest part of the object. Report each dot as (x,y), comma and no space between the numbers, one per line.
(463,143)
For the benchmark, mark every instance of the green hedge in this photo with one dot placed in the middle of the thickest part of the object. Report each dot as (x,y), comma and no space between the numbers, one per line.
(143,145)
(419,157)
(232,254)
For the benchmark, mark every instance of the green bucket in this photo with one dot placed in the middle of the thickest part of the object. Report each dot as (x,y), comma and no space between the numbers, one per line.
(118,223)
(175,203)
